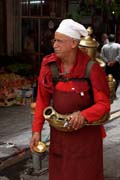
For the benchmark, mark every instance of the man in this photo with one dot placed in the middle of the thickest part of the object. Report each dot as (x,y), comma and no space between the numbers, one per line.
(76,154)
(110,53)
(104,38)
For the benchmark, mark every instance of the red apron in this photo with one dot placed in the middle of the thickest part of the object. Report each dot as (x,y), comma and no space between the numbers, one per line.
(75,155)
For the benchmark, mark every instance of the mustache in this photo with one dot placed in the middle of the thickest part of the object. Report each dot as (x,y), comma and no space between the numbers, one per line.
(56,50)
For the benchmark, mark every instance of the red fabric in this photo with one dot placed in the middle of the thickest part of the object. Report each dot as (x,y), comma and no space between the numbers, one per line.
(46,88)
(68,102)
(71,154)
(76,155)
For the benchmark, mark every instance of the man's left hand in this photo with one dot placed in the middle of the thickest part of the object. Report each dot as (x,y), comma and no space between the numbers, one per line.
(76,120)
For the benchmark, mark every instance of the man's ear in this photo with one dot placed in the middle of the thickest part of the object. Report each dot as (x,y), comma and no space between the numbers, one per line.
(74,43)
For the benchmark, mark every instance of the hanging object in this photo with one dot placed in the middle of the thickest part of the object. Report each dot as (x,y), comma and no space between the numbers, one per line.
(89,45)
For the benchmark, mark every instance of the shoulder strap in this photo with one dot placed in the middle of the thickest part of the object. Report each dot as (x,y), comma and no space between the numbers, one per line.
(88,68)
(55,72)
(87,75)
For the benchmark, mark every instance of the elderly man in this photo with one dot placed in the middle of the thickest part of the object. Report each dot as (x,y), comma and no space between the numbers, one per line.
(75,154)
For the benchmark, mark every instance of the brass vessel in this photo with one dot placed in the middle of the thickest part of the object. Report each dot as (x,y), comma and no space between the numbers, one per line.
(58,121)
(61,122)
(89,45)
(40,147)
(111,83)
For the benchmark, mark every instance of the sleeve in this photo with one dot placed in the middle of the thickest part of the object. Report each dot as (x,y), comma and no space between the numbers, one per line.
(101,95)
(102,54)
(43,98)
(99,109)
(118,53)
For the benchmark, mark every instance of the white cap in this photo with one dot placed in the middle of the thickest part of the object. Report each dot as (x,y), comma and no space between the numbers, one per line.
(72,29)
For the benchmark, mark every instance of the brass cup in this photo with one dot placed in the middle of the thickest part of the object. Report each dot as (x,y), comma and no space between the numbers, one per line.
(40,147)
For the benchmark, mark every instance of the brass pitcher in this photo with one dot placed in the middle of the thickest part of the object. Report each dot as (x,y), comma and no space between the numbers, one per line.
(89,45)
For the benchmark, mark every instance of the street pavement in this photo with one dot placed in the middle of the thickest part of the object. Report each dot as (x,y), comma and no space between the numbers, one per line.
(112,145)
(15,128)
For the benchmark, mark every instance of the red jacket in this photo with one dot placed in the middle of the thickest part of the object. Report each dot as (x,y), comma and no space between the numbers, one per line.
(45,89)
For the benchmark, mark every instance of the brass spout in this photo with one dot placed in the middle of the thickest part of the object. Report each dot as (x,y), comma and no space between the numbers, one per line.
(59,121)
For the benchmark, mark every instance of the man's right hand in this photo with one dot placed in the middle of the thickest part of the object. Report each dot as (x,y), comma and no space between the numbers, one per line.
(34,140)
(111,63)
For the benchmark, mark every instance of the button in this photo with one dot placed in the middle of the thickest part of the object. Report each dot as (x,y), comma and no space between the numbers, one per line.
(73,89)
(82,93)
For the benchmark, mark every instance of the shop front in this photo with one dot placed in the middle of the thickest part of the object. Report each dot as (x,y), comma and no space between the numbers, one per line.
(26,36)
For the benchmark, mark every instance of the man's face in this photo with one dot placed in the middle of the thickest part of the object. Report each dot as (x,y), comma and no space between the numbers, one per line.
(62,45)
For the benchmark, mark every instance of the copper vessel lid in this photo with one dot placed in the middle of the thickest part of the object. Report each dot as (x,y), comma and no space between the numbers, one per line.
(88,41)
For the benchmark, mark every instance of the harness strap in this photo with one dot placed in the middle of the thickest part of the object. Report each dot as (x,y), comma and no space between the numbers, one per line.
(55,72)
(88,68)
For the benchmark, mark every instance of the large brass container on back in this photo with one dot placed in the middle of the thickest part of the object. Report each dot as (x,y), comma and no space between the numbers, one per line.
(89,45)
